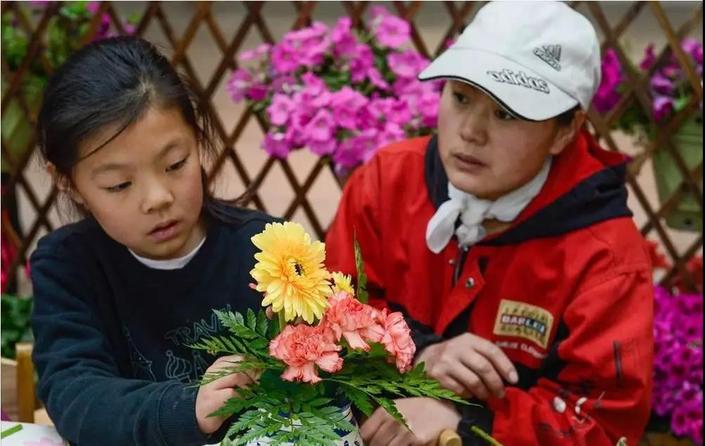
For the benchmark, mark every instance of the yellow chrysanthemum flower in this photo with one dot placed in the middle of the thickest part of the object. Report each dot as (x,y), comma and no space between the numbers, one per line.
(290,272)
(342,283)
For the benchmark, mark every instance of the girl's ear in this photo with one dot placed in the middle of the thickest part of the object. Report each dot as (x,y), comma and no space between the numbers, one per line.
(64,184)
(566,134)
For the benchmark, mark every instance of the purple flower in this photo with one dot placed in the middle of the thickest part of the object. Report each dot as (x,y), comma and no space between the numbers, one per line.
(256,53)
(344,40)
(239,83)
(361,64)
(693,48)
(406,64)
(354,150)
(276,145)
(376,79)
(257,92)
(284,57)
(278,112)
(345,105)
(391,31)
(321,127)
(662,107)
(660,84)
(607,95)
(323,147)
(649,58)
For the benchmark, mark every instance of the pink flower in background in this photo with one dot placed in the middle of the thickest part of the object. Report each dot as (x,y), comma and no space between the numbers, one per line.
(662,107)
(362,63)
(678,362)
(303,349)
(279,111)
(345,105)
(391,31)
(407,64)
(240,81)
(607,94)
(321,127)
(397,340)
(649,58)
(276,145)
(348,318)
(343,38)
(317,87)
(284,58)
(256,53)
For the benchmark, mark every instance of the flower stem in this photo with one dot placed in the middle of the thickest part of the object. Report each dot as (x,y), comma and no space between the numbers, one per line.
(282,320)
(485,436)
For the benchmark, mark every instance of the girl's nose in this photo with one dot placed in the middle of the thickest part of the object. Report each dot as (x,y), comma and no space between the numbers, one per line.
(157,197)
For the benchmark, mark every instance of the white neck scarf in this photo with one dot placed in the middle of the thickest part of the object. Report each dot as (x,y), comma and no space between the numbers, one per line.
(473,211)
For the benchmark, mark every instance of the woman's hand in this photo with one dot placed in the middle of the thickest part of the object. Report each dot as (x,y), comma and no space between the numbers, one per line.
(426,418)
(470,366)
(212,396)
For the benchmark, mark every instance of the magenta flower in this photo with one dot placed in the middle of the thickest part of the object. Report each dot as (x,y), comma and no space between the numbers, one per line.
(279,111)
(321,127)
(391,31)
(661,84)
(256,53)
(239,83)
(343,38)
(284,58)
(345,105)
(649,58)
(662,107)
(607,95)
(362,63)
(276,145)
(406,64)
(340,92)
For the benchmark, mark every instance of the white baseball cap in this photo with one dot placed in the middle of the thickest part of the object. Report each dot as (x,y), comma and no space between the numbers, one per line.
(536,59)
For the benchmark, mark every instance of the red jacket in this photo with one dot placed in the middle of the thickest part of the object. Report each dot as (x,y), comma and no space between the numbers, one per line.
(566,291)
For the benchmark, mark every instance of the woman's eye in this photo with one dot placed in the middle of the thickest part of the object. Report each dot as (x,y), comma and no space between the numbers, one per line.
(460,98)
(177,166)
(504,115)
(119,187)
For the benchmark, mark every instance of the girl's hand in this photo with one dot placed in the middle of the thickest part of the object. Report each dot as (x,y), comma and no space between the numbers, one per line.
(212,396)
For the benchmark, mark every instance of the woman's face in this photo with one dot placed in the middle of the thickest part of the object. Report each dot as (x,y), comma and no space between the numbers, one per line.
(486,151)
(144,187)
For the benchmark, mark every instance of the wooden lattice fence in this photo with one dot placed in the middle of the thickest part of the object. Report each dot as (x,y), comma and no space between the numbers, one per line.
(187,31)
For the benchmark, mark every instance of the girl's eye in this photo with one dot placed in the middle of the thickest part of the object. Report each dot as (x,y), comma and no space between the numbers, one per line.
(119,187)
(504,115)
(177,166)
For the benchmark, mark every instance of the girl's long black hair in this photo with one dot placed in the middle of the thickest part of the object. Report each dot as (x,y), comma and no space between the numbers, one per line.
(112,82)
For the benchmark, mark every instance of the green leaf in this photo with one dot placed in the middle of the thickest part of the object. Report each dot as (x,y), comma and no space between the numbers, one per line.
(361,292)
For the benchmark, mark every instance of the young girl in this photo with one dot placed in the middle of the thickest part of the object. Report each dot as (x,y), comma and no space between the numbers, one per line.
(507,240)
(122,294)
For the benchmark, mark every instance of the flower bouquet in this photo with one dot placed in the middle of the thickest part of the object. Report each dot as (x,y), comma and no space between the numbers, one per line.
(323,351)
(342,93)
(670,91)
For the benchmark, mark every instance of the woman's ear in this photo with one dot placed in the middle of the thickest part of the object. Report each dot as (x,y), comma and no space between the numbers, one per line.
(64,184)
(566,134)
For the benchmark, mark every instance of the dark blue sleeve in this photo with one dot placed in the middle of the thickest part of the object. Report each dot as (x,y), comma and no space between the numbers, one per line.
(79,378)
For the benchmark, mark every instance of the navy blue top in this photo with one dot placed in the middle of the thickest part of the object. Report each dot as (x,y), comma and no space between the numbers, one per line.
(112,335)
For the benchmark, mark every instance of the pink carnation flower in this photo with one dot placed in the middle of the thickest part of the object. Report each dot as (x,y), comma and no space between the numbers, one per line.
(397,339)
(349,318)
(303,348)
